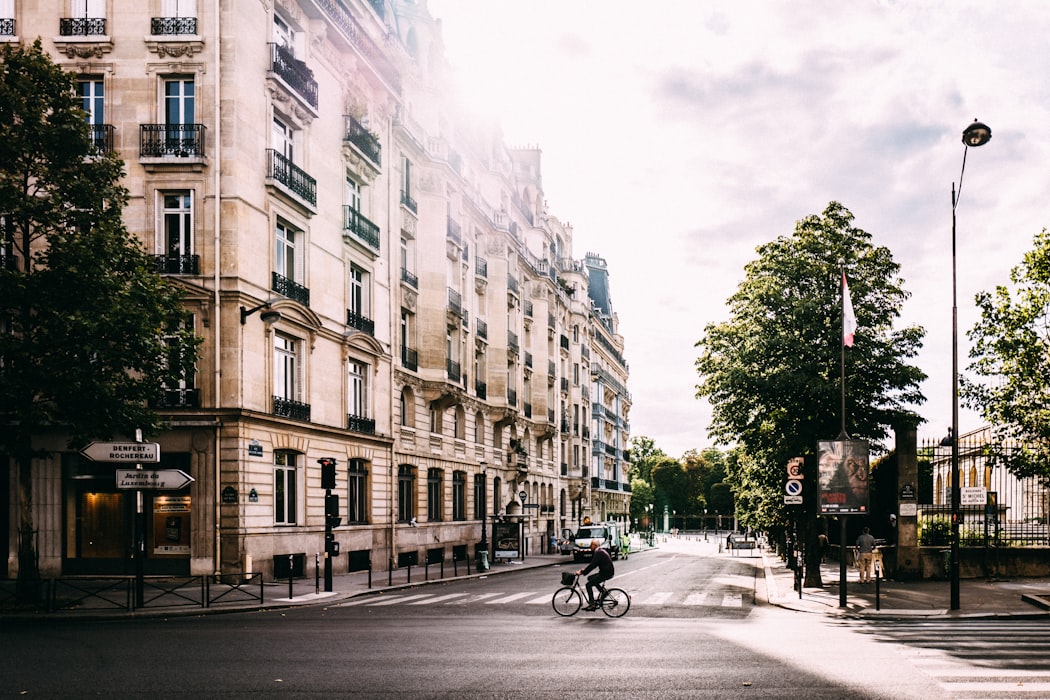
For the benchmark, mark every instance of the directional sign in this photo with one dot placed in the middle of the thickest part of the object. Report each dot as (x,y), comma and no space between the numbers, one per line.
(972,496)
(124,452)
(152,479)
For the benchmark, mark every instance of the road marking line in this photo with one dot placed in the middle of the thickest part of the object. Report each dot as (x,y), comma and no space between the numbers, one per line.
(509,598)
(542,600)
(439,599)
(696,599)
(656,598)
(403,599)
(733,600)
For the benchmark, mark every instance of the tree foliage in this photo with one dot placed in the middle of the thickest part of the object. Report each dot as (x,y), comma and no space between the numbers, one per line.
(772,371)
(91,334)
(1011,352)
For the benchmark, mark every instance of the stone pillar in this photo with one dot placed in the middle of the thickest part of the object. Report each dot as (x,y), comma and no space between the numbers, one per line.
(909,563)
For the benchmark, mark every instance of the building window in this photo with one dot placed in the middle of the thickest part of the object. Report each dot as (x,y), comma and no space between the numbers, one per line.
(285,260)
(179,102)
(285,494)
(459,495)
(287,368)
(435,478)
(92,93)
(182,393)
(406,493)
(480,504)
(357,495)
(357,394)
(408,408)
(176,17)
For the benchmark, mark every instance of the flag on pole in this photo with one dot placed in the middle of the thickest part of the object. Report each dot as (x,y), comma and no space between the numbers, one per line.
(849,320)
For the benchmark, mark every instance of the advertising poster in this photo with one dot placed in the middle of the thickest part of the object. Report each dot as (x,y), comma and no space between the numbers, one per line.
(507,539)
(843,476)
(171,526)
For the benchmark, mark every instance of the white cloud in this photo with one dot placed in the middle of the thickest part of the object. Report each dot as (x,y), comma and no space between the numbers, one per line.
(678,135)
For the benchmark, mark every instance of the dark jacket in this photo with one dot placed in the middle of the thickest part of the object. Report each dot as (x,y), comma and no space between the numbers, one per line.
(601,559)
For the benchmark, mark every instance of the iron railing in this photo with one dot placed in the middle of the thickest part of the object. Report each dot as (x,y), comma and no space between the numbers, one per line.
(171,140)
(287,408)
(358,224)
(284,171)
(82,26)
(177,264)
(165,26)
(364,139)
(289,288)
(294,72)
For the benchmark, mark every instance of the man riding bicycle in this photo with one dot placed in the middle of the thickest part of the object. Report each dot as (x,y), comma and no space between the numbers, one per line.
(601,560)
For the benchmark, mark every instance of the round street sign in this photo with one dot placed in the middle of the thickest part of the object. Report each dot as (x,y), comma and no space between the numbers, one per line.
(793,488)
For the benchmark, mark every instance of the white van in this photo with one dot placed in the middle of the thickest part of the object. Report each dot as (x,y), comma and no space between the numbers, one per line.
(607,534)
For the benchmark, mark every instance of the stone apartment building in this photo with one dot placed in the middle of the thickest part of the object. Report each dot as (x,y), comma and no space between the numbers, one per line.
(376,278)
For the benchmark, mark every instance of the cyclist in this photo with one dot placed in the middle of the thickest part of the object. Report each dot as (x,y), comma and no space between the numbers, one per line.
(601,560)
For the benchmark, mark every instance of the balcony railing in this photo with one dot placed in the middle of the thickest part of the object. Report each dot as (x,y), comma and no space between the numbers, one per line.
(179,398)
(455,302)
(364,230)
(171,140)
(481,267)
(289,288)
(177,264)
(361,323)
(481,389)
(284,171)
(455,373)
(410,279)
(360,424)
(7,26)
(364,139)
(409,359)
(409,203)
(82,26)
(294,72)
(287,408)
(166,26)
(483,328)
(102,137)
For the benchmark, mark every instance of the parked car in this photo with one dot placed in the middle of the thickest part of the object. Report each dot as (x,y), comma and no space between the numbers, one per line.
(607,534)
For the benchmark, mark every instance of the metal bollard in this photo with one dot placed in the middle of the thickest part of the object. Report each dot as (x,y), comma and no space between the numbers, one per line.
(877,577)
(290,561)
(317,573)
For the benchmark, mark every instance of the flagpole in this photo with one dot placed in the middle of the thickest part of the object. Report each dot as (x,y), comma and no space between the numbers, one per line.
(842,352)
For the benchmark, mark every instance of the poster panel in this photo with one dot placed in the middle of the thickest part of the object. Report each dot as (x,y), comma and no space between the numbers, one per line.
(843,476)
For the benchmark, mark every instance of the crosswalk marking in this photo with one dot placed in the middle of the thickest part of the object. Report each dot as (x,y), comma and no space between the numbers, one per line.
(509,598)
(656,598)
(403,599)
(439,599)
(696,599)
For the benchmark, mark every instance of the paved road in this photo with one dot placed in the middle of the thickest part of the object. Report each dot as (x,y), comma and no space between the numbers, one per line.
(973,658)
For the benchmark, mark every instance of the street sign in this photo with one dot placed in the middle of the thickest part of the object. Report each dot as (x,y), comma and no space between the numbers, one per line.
(795,468)
(793,488)
(972,496)
(152,479)
(792,500)
(123,452)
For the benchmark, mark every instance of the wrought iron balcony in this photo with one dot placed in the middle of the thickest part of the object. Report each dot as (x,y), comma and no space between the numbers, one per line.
(7,26)
(362,229)
(179,398)
(409,203)
(102,137)
(409,359)
(82,26)
(455,373)
(166,26)
(284,171)
(410,279)
(289,288)
(481,267)
(287,408)
(177,264)
(455,303)
(294,72)
(360,424)
(361,323)
(364,139)
(482,328)
(171,140)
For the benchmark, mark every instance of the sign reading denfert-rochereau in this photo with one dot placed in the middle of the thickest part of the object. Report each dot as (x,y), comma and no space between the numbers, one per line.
(124,452)
(155,479)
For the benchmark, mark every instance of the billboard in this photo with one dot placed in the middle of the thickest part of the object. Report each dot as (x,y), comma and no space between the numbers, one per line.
(843,476)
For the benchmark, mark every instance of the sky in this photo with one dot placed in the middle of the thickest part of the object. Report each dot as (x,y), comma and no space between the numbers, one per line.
(679,135)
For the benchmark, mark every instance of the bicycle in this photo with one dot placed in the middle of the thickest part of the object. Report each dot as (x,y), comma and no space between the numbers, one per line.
(568,599)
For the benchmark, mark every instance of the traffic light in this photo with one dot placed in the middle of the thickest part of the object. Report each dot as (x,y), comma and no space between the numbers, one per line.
(331,545)
(327,472)
(957,518)
(331,510)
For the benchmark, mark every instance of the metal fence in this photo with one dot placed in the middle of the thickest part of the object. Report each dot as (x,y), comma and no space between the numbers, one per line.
(997,507)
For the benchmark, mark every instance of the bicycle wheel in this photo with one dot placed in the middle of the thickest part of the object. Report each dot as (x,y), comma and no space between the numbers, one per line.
(616,602)
(567,601)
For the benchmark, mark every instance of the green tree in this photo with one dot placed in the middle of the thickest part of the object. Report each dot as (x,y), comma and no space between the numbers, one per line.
(90,334)
(772,371)
(1011,352)
(644,454)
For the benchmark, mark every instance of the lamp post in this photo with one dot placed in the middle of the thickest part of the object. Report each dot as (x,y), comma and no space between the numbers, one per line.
(976,134)
(484,503)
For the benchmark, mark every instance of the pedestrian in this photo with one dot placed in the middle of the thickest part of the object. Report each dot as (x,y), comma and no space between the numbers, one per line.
(866,552)
(822,541)
(554,544)
(625,545)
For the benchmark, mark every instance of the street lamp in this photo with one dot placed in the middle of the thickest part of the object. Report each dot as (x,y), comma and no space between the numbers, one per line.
(976,134)
(484,503)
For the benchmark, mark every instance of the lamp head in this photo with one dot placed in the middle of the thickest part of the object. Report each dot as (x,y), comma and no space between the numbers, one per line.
(270,316)
(977,134)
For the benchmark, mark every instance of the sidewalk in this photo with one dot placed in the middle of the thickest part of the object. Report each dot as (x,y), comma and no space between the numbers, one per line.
(1022,597)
